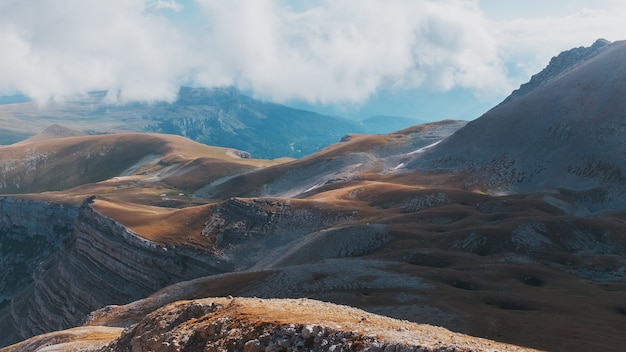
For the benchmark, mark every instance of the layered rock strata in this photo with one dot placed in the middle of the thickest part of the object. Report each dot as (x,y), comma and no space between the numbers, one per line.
(29,232)
(100,262)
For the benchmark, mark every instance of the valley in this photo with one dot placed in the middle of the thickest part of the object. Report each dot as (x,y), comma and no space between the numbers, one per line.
(506,233)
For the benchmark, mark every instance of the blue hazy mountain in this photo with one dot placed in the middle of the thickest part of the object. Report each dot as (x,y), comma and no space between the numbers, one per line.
(225,117)
(216,116)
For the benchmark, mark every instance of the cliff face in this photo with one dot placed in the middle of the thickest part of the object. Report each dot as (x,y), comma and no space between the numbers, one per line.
(30,231)
(95,262)
(88,261)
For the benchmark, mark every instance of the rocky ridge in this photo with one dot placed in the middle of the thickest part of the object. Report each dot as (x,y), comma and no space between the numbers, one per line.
(565,134)
(100,262)
(30,231)
(557,66)
(255,325)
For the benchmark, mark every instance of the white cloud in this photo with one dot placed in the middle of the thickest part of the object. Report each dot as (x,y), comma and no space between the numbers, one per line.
(320,51)
(58,48)
(332,51)
(346,50)
(531,41)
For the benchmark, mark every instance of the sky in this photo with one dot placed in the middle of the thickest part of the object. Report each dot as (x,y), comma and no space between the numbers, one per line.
(426,59)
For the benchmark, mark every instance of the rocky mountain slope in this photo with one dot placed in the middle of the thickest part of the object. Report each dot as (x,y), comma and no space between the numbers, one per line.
(30,231)
(565,133)
(342,162)
(558,65)
(99,262)
(409,245)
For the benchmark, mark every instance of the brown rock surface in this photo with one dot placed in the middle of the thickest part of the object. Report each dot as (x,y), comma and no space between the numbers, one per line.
(252,324)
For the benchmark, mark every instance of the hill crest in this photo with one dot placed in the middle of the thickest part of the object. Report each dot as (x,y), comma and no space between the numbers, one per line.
(565,134)
(558,65)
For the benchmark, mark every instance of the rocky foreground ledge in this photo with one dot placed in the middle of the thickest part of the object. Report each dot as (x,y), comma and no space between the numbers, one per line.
(255,325)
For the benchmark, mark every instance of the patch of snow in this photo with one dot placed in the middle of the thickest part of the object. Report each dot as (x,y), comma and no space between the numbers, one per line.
(317,185)
(423,149)
(146,160)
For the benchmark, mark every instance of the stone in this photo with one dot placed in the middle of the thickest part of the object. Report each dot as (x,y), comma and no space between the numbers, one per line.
(252,346)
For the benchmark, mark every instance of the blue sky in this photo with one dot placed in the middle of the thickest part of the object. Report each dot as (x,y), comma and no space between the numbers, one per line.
(425,59)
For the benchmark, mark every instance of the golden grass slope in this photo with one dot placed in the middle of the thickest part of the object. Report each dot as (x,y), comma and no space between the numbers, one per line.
(50,162)
(514,268)
(168,226)
(355,157)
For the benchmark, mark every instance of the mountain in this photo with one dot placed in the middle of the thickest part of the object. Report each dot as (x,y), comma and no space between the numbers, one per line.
(563,133)
(487,228)
(558,65)
(219,117)
(342,162)
(225,117)
(347,225)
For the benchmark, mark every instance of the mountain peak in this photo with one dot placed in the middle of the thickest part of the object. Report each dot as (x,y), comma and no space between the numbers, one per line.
(567,133)
(558,65)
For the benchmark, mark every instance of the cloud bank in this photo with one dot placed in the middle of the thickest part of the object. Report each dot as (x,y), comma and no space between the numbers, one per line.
(529,40)
(321,51)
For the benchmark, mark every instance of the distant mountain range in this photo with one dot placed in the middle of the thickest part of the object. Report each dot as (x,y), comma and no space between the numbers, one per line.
(219,117)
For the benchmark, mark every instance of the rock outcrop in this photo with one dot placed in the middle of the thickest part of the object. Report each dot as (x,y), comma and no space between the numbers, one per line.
(98,262)
(255,325)
(30,231)
(253,232)
(558,65)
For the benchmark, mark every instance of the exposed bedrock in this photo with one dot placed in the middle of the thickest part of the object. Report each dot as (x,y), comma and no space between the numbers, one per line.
(256,232)
(99,263)
(29,232)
